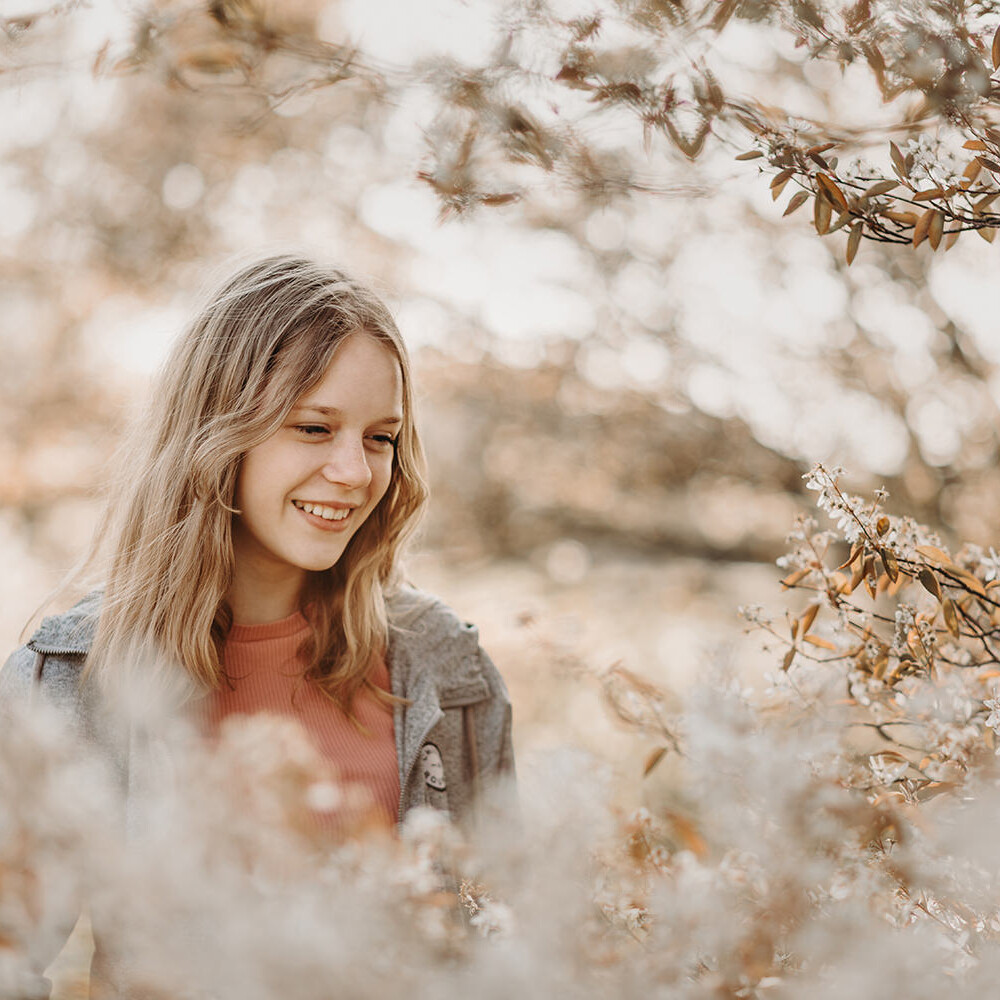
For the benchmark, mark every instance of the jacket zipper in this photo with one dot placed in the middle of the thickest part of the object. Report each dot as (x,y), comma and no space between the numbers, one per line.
(438,716)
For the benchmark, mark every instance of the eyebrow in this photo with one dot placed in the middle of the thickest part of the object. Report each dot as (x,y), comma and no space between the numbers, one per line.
(332,411)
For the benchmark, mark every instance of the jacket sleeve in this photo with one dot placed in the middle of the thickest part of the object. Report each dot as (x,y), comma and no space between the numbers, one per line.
(16,678)
(494,728)
(20,690)
(28,677)
(496,804)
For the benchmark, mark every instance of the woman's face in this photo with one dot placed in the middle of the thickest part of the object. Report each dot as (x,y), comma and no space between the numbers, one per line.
(305,491)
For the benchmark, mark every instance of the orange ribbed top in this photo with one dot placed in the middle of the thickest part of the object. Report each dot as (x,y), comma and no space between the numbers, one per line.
(265,670)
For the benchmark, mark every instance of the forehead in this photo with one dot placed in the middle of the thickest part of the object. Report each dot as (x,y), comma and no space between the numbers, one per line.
(364,374)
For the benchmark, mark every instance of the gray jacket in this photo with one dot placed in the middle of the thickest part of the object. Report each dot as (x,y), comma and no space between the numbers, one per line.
(453,736)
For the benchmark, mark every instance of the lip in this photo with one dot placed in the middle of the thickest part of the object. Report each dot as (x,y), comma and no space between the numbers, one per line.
(338,504)
(321,523)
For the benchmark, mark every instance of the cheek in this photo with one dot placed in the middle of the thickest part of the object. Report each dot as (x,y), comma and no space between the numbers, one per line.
(381,478)
(257,479)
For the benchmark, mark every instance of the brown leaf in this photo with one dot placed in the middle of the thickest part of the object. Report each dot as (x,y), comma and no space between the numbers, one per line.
(100,59)
(779,182)
(866,569)
(929,582)
(935,230)
(985,202)
(653,759)
(995,49)
(878,668)
(928,194)
(988,233)
(933,554)
(921,228)
(574,77)
(903,218)
(882,525)
(858,16)
(856,551)
(898,160)
(971,172)
(950,616)
(218,58)
(882,187)
(796,201)
(692,146)
(889,564)
(723,13)
(686,834)
(853,242)
(951,239)
(822,214)
(842,220)
(796,577)
(828,186)
(975,144)
(504,198)
(808,617)
(753,154)
(990,165)
(815,640)
(788,660)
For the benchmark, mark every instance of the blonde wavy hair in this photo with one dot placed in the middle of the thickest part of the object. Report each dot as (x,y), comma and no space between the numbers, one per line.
(262,340)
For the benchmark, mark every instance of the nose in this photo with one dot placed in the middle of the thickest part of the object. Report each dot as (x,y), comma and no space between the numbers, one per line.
(347,463)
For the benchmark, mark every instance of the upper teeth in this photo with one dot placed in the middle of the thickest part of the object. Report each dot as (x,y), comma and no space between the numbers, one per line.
(329,513)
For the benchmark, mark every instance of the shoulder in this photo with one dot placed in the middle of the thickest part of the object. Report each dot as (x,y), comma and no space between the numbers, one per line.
(17,675)
(427,619)
(70,633)
(54,654)
(427,636)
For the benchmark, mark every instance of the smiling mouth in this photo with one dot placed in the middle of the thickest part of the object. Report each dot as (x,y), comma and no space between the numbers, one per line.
(320,510)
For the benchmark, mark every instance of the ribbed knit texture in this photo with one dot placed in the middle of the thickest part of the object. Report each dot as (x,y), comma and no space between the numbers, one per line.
(265,671)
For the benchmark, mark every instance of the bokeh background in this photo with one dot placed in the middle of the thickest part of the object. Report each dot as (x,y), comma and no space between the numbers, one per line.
(621,384)
(620,389)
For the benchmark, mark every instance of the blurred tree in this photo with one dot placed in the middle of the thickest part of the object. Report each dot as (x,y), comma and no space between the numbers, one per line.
(137,146)
(656,62)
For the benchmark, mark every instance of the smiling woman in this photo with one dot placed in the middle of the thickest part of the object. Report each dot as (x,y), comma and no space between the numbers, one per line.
(250,551)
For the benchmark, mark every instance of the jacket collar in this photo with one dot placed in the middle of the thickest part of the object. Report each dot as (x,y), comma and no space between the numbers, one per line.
(426,639)
(430,646)
(71,633)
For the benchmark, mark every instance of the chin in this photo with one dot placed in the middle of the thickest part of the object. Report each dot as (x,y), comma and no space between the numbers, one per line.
(315,564)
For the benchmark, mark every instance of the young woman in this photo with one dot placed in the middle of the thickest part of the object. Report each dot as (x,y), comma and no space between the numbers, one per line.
(251,546)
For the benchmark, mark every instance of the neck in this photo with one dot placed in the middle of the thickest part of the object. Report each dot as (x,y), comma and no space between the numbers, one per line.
(258,605)
(257,600)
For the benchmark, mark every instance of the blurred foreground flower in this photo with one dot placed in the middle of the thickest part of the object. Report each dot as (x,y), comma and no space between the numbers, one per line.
(832,836)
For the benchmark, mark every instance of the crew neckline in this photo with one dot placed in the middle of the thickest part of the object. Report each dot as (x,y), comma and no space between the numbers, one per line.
(281,629)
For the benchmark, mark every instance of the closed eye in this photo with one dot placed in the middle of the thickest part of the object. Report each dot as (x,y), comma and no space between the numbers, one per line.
(311,430)
(383,440)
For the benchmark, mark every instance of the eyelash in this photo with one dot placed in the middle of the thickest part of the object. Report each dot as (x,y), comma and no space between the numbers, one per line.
(315,430)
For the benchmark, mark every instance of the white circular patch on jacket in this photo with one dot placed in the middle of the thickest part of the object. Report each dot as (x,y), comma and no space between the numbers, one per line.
(433,767)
